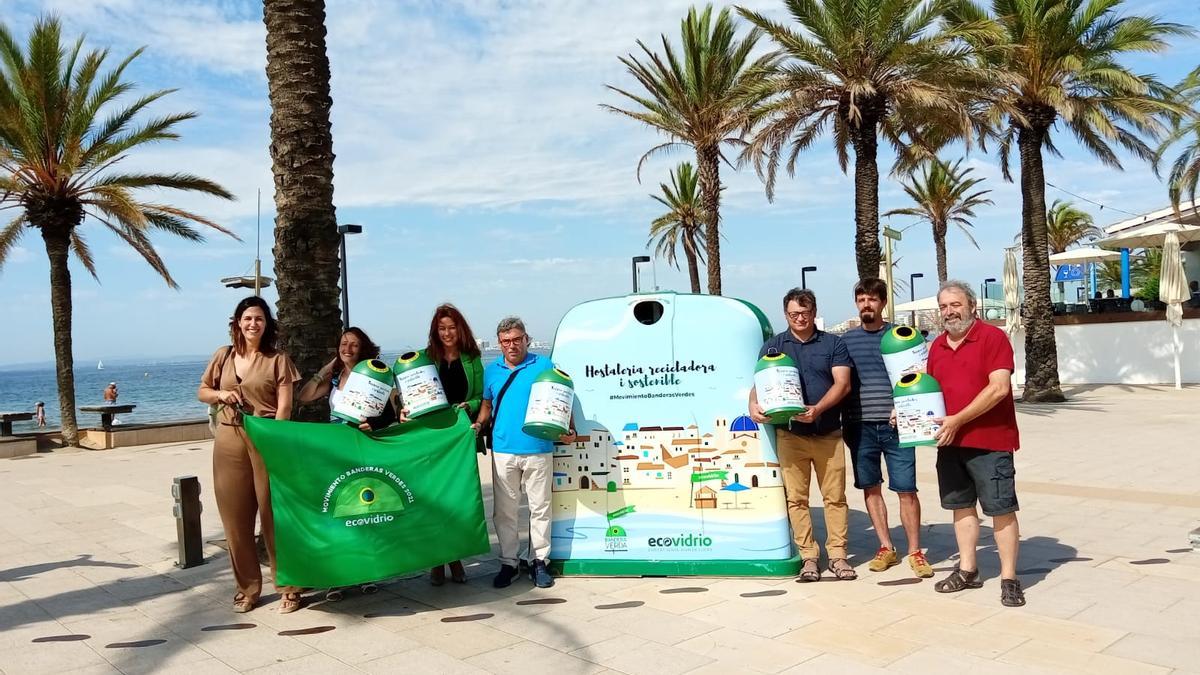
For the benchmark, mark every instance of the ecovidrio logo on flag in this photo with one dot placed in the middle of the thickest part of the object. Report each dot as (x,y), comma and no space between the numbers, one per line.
(367,495)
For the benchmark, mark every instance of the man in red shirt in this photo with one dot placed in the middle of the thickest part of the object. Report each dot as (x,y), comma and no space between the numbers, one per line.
(973,362)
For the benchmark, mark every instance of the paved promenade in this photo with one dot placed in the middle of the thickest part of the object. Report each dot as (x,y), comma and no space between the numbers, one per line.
(1109,486)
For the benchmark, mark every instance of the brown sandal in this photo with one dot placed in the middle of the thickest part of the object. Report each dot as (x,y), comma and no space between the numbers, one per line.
(958,580)
(843,571)
(809,572)
(289,603)
(457,574)
(242,604)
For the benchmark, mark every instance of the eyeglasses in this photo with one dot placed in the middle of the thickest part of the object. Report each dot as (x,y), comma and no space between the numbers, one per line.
(512,342)
(807,314)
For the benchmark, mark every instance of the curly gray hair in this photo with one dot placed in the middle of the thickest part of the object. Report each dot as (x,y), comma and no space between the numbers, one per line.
(960,286)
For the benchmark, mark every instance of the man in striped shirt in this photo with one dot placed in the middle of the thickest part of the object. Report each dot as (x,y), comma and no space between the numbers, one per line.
(870,433)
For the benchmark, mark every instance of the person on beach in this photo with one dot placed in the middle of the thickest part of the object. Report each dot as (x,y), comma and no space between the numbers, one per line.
(870,436)
(453,348)
(812,441)
(39,412)
(973,363)
(354,346)
(248,377)
(519,461)
(110,393)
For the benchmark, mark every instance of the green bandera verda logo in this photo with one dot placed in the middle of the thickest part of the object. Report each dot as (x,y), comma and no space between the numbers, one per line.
(702,476)
(366,495)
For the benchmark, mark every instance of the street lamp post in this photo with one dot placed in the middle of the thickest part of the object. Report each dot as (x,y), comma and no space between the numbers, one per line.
(344,230)
(637,259)
(804,275)
(912,295)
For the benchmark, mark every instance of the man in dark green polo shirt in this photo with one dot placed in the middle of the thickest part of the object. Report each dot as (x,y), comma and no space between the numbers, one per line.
(812,442)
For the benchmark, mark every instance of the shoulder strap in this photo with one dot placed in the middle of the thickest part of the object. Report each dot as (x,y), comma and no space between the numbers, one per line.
(224,362)
(500,396)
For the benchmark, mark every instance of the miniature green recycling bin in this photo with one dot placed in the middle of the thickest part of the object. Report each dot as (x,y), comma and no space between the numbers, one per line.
(548,415)
(777,385)
(366,392)
(919,407)
(904,351)
(420,387)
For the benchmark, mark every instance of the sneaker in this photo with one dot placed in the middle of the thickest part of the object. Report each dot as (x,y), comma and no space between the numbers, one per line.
(920,566)
(884,558)
(540,575)
(504,577)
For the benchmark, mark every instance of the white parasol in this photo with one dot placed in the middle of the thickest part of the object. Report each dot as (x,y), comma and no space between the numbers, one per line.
(1012,293)
(1173,290)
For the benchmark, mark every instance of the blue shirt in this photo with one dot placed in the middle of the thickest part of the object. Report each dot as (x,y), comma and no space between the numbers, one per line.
(815,360)
(507,435)
(871,398)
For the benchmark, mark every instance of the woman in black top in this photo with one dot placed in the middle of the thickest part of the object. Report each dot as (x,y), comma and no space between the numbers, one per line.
(453,348)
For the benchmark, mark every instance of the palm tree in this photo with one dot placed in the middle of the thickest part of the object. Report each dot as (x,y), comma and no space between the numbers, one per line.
(1185,170)
(683,223)
(943,195)
(306,236)
(863,70)
(1067,226)
(699,101)
(1060,58)
(58,167)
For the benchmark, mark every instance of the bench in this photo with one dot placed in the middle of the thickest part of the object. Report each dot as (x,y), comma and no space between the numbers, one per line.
(107,412)
(7,419)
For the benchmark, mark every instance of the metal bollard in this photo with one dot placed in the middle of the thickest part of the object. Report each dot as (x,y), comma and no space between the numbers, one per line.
(187,508)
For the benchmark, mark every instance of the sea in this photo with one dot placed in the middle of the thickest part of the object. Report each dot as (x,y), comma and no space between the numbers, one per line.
(163,389)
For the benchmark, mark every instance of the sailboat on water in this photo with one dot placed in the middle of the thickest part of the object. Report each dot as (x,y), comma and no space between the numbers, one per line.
(100,365)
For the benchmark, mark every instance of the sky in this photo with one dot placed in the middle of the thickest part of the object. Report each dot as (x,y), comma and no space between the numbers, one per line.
(471,146)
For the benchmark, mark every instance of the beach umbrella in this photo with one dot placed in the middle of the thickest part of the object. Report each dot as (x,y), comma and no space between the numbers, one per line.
(1012,293)
(735,487)
(1076,256)
(1173,290)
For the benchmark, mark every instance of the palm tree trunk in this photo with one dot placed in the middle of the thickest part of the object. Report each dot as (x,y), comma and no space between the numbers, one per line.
(306,237)
(57,238)
(708,160)
(939,243)
(693,263)
(1041,352)
(866,198)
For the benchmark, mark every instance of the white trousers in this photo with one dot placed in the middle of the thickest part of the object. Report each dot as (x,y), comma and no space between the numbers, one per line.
(510,474)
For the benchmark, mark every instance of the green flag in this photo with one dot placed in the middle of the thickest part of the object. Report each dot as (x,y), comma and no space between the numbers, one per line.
(352,507)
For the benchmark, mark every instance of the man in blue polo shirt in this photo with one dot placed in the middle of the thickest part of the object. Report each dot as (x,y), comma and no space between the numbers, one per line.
(519,461)
(812,442)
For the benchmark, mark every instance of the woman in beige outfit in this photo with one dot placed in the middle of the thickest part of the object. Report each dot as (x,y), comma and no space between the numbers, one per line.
(248,378)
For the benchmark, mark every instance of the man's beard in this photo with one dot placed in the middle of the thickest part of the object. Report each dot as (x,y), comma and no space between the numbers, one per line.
(958,326)
(867,316)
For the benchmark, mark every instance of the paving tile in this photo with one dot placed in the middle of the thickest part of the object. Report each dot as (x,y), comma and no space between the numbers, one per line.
(356,643)
(250,649)
(634,655)
(976,640)
(940,659)
(557,631)
(1051,656)
(1066,633)
(655,624)
(1116,617)
(750,651)
(516,660)
(316,664)
(746,615)
(833,664)
(209,666)
(421,661)
(1158,650)
(49,657)
(871,648)
(460,640)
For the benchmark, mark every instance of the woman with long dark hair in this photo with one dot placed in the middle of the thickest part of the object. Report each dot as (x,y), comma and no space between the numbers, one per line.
(354,346)
(248,377)
(453,348)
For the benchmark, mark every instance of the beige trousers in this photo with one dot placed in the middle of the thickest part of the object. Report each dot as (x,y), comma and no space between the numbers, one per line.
(799,458)
(510,475)
(243,491)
